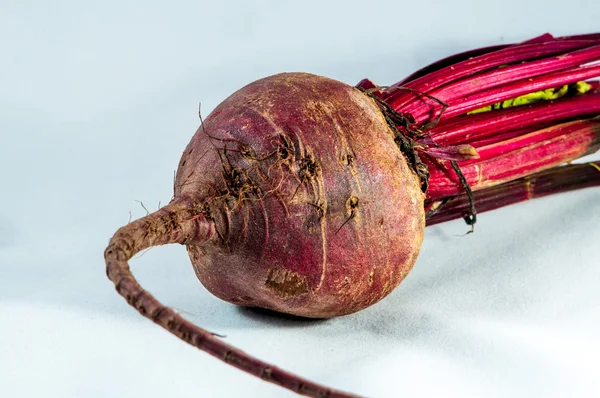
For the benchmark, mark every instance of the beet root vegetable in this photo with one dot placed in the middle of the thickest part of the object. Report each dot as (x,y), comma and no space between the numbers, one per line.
(278,199)
(295,200)
(307,196)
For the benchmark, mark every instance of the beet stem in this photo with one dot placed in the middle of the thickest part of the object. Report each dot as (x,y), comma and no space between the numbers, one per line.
(548,182)
(517,157)
(488,60)
(185,224)
(514,121)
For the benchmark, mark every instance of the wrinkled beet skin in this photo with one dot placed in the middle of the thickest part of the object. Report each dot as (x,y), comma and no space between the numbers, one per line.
(317,211)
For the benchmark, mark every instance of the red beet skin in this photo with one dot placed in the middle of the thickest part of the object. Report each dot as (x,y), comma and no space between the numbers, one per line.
(315,209)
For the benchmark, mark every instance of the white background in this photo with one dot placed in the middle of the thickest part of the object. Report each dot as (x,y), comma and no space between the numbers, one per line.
(97,102)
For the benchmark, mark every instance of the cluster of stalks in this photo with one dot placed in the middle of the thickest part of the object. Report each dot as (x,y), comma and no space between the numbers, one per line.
(495,125)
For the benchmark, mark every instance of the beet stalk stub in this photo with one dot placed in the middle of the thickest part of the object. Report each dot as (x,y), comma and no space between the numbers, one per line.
(307,196)
(548,182)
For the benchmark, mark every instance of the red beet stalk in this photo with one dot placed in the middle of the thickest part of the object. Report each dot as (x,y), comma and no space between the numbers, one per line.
(467,55)
(512,122)
(481,71)
(516,157)
(500,145)
(548,182)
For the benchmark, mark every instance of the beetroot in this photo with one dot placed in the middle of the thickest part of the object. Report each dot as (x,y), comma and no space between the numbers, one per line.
(307,196)
(309,156)
(296,164)
(277,199)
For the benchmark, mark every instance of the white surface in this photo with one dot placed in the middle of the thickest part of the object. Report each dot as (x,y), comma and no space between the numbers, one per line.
(98,100)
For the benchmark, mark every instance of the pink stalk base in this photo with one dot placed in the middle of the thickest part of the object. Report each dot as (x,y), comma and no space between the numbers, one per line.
(549,182)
